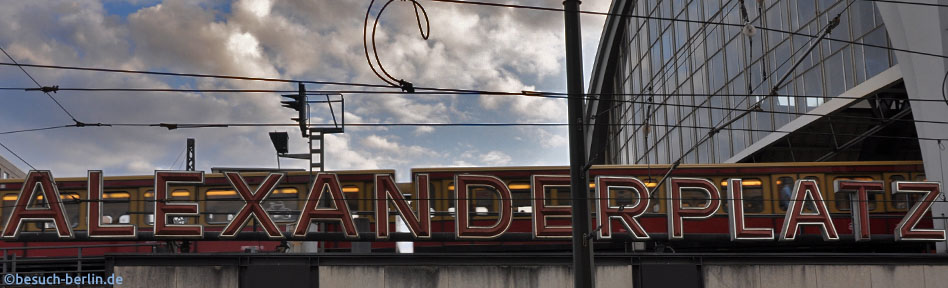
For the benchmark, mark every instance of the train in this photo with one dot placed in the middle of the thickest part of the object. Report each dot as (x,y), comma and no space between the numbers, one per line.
(131,199)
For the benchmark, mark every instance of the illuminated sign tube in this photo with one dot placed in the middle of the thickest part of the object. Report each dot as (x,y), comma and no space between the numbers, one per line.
(40,200)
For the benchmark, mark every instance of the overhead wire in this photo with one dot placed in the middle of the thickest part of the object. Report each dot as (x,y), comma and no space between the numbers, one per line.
(691,52)
(538,94)
(40,86)
(172,126)
(944,88)
(196,75)
(391,80)
(443,90)
(681,20)
(909,3)
(17,156)
(176,159)
(763,81)
(722,124)
(37,129)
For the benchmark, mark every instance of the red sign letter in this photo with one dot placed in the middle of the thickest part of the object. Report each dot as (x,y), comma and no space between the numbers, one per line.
(795,216)
(541,212)
(859,200)
(97,229)
(464,228)
(738,228)
(385,189)
(906,230)
(339,213)
(41,181)
(676,213)
(626,216)
(163,209)
(252,206)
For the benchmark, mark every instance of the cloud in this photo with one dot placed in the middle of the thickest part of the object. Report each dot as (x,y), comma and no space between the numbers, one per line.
(496,158)
(471,47)
(259,8)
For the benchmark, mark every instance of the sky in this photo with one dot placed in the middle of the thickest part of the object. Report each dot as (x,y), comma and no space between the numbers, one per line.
(469,47)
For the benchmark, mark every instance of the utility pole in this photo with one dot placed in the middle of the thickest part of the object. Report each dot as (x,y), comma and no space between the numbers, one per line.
(583,273)
(190,166)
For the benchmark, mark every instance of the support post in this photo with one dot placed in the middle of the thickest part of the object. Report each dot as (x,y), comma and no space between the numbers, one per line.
(582,244)
(190,166)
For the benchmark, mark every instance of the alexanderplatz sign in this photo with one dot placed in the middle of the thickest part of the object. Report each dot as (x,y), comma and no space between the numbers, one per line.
(386,192)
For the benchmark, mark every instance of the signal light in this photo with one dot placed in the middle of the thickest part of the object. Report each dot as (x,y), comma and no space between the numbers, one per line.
(298,102)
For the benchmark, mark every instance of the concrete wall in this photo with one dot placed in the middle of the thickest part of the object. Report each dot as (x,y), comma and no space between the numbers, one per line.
(554,276)
(466,276)
(824,276)
(177,277)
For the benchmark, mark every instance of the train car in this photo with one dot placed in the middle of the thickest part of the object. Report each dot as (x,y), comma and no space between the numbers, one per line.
(130,200)
(766,190)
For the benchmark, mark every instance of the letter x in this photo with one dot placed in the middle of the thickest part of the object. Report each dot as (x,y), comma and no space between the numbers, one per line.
(252,206)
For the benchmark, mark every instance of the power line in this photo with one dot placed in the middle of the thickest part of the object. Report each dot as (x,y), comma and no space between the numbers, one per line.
(176,159)
(665,100)
(395,82)
(246,78)
(727,120)
(172,126)
(539,94)
(17,156)
(683,20)
(36,129)
(618,101)
(195,75)
(909,3)
(38,84)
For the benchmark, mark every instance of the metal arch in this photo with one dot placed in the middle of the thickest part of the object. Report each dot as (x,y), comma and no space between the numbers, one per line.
(905,111)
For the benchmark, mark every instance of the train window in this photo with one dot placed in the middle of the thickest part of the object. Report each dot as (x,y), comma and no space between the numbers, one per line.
(784,191)
(550,192)
(9,202)
(451,196)
(350,192)
(221,205)
(650,184)
(563,196)
(753,195)
(622,196)
(176,195)
(843,202)
(810,206)
(520,192)
(691,197)
(114,206)
(904,200)
(70,201)
(483,197)
(283,204)
(431,194)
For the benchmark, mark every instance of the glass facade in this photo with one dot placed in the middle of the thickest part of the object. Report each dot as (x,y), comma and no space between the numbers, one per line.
(675,80)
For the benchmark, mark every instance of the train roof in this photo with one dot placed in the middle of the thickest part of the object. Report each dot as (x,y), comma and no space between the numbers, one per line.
(214,175)
(666,166)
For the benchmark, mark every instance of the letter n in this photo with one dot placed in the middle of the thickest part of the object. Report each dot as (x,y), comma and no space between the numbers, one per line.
(386,190)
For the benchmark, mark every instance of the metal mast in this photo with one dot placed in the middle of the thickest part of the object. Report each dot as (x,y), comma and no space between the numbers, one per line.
(582,244)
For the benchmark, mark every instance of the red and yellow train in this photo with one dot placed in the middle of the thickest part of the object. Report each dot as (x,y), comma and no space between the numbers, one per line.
(131,199)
